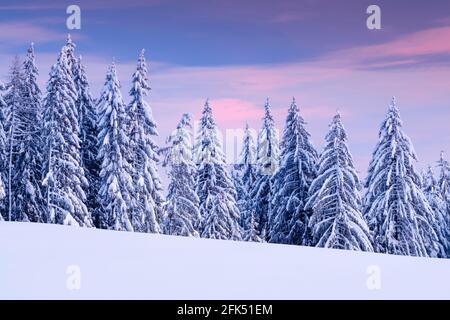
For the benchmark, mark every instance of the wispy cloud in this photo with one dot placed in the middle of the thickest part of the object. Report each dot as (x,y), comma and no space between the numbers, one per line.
(98,4)
(289,16)
(15,32)
(403,51)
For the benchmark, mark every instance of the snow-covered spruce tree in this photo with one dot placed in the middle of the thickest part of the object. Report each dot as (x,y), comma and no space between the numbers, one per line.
(147,215)
(439,207)
(443,180)
(15,126)
(244,176)
(69,49)
(2,196)
(336,221)
(395,207)
(3,168)
(214,187)
(182,203)
(87,120)
(289,220)
(443,185)
(64,178)
(267,164)
(115,183)
(28,199)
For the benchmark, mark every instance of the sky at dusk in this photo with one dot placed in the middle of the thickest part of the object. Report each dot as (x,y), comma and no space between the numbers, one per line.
(237,53)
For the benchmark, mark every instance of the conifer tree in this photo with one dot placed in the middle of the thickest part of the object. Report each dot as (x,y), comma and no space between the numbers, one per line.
(245,175)
(395,207)
(28,203)
(337,221)
(14,129)
(87,120)
(147,215)
(64,178)
(218,210)
(289,221)
(182,206)
(267,161)
(3,162)
(443,180)
(115,183)
(439,207)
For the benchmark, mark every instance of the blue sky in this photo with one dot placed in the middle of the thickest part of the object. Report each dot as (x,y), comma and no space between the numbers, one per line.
(217,32)
(239,52)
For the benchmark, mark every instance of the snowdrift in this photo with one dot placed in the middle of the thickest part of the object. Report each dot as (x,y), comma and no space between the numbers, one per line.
(39,261)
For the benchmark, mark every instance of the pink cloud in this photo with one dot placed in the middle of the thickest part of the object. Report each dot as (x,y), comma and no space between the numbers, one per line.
(24,32)
(431,41)
(402,51)
(231,110)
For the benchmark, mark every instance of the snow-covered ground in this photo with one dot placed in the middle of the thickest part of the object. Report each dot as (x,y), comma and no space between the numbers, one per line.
(51,261)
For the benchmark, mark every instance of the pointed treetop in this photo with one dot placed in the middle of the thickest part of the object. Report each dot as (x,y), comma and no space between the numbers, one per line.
(141,64)
(207,117)
(142,56)
(393,105)
(394,101)
(30,51)
(441,155)
(185,120)
(268,118)
(112,72)
(267,104)
(70,45)
(337,117)
(207,107)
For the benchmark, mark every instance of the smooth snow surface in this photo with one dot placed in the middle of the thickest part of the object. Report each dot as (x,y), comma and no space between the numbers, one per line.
(34,259)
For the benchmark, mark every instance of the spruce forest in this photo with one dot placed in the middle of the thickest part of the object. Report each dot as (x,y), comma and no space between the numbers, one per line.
(69,158)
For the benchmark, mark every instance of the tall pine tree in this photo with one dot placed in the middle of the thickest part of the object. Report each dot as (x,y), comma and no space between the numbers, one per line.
(182,205)
(337,221)
(443,181)
(245,175)
(15,128)
(219,212)
(3,162)
(439,207)
(87,120)
(64,178)
(116,184)
(395,207)
(69,50)
(267,161)
(147,215)
(29,202)
(289,219)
